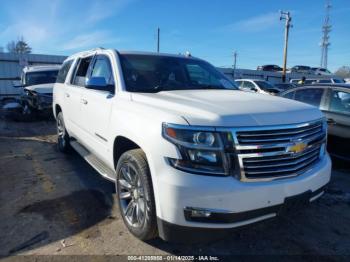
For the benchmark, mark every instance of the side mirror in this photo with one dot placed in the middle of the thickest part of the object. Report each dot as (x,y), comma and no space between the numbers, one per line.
(254,89)
(17,84)
(98,83)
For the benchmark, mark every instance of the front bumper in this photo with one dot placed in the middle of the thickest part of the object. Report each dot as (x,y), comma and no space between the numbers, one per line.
(235,203)
(38,101)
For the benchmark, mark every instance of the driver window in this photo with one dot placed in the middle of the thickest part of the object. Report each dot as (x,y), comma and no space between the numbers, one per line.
(102,68)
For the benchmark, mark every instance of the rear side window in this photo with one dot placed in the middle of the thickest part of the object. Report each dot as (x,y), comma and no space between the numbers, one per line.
(79,77)
(340,102)
(62,74)
(310,96)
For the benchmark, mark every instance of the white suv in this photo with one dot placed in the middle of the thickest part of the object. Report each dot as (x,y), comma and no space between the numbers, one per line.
(188,151)
(257,86)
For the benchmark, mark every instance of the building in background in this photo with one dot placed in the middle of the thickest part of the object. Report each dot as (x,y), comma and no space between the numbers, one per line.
(11,66)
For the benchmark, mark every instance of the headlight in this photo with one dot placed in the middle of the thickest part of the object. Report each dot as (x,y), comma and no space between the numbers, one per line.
(203,151)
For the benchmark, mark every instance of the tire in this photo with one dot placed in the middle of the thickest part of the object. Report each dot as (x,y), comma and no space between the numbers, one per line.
(134,193)
(62,135)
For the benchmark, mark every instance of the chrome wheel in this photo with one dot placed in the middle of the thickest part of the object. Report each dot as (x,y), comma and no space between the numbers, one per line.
(131,196)
(60,128)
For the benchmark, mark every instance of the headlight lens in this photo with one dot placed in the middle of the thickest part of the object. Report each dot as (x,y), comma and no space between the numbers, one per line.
(202,151)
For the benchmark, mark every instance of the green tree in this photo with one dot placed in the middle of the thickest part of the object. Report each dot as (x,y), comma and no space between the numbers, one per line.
(19,47)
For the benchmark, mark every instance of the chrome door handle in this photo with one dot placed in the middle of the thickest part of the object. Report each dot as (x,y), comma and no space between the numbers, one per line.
(331,121)
(84,101)
(67,95)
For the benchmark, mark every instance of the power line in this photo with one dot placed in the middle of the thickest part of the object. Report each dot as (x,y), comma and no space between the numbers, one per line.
(326,28)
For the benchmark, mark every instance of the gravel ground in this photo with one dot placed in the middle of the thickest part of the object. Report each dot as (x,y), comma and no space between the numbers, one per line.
(55,204)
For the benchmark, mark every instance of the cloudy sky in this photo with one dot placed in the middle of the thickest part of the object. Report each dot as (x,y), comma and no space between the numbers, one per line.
(208,29)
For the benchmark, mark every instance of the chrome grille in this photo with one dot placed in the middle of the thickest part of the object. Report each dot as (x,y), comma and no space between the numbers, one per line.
(266,153)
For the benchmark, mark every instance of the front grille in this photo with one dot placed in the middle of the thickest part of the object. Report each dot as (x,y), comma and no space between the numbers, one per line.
(269,153)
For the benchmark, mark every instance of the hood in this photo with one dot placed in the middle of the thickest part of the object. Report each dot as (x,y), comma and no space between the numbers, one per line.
(42,88)
(229,107)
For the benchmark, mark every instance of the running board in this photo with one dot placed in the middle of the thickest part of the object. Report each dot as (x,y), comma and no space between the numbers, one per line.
(96,163)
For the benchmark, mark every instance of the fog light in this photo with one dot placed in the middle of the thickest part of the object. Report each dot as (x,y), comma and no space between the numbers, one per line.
(197,212)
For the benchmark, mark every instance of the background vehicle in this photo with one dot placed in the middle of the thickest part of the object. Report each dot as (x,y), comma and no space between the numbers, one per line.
(273,68)
(320,71)
(301,69)
(310,81)
(257,86)
(37,83)
(334,101)
(170,129)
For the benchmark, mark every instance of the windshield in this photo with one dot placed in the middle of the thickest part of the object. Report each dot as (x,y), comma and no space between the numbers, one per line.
(265,85)
(151,73)
(41,77)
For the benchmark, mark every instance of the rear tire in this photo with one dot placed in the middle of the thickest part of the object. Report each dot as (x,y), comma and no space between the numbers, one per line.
(63,140)
(134,192)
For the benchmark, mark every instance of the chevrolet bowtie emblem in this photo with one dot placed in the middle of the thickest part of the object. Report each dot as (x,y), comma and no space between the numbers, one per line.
(297,148)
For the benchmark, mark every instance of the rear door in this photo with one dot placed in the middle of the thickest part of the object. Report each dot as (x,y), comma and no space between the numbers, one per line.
(337,112)
(96,107)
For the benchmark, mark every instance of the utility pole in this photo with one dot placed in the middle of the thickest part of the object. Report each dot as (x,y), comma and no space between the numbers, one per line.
(326,28)
(285,16)
(234,63)
(158,39)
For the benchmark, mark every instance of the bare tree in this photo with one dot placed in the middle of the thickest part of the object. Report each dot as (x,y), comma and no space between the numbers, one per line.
(343,72)
(19,47)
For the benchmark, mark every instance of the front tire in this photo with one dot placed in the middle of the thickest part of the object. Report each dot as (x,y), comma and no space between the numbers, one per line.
(63,141)
(135,196)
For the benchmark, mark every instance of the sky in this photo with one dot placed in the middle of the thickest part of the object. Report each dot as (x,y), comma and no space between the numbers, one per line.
(208,29)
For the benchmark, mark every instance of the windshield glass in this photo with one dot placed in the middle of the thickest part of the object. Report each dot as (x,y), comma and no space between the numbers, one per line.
(41,77)
(151,73)
(265,85)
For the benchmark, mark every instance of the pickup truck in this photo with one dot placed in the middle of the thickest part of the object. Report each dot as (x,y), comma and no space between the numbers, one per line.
(189,153)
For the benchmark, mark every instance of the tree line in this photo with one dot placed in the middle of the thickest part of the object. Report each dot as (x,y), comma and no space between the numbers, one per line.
(19,46)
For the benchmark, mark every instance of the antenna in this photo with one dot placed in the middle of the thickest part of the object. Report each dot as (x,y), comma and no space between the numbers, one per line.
(158,39)
(326,28)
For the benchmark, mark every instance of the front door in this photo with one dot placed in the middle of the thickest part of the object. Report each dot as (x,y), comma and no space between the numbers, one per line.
(96,107)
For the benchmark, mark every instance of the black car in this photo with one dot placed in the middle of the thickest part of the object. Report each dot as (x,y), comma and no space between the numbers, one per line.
(273,68)
(334,101)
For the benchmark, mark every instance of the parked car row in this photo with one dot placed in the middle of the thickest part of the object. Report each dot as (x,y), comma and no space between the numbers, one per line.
(297,69)
(334,101)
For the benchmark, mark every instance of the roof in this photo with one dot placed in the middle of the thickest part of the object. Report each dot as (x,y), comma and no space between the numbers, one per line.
(37,68)
(341,86)
(89,52)
(247,79)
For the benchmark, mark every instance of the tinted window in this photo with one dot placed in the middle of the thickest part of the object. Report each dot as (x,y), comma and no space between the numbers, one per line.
(41,77)
(340,102)
(338,81)
(80,72)
(324,81)
(62,74)
(248,85)
(310,96)
(289,95)
(264,85)
(151,73)
(102,68)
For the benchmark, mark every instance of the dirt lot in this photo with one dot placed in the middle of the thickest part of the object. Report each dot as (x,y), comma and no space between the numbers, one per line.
(52,203)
